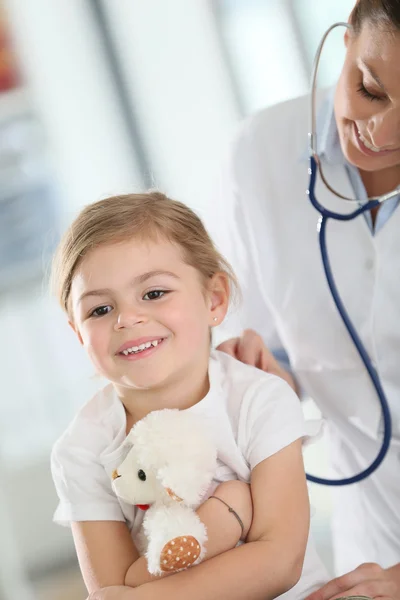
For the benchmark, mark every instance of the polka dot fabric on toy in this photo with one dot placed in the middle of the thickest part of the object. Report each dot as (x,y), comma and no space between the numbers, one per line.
(179,553)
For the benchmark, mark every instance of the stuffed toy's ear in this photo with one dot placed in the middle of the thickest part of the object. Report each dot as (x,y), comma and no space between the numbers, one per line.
(185,483)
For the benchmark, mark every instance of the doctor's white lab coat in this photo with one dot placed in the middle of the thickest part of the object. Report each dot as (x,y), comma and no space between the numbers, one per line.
(272,242)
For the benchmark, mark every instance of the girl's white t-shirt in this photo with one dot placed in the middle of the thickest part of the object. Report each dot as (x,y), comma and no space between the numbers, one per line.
(252,414)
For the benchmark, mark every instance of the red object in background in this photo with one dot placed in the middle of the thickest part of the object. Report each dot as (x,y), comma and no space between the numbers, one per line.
(9,76)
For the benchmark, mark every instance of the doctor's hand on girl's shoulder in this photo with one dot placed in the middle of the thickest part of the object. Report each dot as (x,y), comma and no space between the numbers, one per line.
(368,579)
(249,348)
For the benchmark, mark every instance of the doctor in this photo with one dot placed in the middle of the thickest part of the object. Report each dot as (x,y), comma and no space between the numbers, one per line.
(292,326)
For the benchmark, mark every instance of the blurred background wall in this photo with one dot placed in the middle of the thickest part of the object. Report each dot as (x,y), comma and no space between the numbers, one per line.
(100,97)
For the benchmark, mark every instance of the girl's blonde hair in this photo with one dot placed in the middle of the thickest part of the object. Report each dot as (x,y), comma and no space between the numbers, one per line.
(151,216)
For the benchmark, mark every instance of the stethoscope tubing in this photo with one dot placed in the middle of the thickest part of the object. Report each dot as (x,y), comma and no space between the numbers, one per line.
(325,215)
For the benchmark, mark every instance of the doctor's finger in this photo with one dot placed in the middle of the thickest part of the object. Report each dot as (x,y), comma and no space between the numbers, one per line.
(249,348)
(377,588)
(341,585)
(229,347)
(268,362)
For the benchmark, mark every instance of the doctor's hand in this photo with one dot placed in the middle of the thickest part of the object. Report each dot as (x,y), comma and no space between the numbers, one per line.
(368,579)
(249,348)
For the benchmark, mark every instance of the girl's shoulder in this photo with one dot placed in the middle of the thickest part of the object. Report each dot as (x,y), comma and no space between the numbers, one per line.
(235,374)
(246,388)
(97,425)
(264,411)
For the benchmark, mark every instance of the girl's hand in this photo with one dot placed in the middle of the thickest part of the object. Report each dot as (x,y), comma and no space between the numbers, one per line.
(368,579)
(249,348)
(115,592)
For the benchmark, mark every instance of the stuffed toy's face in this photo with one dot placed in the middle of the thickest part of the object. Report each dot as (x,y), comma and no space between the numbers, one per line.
(134,484)
(170,458)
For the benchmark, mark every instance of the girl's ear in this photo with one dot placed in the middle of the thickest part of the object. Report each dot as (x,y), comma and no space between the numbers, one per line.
(76,331)
(218,294)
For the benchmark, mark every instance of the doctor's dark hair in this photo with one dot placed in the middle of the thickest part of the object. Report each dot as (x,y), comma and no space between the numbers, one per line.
(382,13)
(150,216)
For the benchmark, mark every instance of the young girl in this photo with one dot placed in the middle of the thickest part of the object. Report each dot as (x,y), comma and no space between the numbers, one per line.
(143,285)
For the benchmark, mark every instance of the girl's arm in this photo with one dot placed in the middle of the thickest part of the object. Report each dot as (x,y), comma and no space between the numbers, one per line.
(269,564)
(105,552)
(108,557)
(223,529)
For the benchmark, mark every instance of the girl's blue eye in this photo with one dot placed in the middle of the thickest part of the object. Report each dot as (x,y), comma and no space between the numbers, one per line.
(154,294)
(100,311)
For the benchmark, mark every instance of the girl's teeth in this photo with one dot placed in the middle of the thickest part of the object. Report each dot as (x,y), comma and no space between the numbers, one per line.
(137,349)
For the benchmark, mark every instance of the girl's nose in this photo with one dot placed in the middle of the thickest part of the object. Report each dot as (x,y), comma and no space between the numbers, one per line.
(129,318)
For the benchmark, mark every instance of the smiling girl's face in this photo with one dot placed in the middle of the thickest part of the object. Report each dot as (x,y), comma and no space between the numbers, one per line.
(143,314)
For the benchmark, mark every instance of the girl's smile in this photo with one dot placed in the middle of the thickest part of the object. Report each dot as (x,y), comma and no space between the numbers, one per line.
(140,348)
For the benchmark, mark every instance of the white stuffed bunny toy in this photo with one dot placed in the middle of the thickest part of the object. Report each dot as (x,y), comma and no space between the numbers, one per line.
(168,470)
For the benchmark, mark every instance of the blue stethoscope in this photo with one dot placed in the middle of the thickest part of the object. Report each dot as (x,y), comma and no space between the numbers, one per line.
(325,215)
